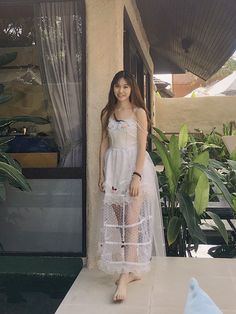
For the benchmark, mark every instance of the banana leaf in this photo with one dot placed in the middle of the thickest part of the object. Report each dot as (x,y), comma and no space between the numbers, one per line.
(155,157)
(220,225)
(194,174)
(183,136)
(169,169)
(202,159)
(214,177)
(175,155)
(189,214)
(161,134)
(173,229)
(201,194)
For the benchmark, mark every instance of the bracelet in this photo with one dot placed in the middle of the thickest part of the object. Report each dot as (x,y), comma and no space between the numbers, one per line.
(137,174)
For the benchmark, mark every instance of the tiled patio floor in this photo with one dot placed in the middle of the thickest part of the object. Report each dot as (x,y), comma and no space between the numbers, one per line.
(162,291)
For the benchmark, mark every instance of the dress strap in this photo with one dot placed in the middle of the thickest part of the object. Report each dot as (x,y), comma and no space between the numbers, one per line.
(141,127)
(138,122)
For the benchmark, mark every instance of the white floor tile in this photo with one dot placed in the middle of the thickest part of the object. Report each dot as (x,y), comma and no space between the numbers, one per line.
(161,291)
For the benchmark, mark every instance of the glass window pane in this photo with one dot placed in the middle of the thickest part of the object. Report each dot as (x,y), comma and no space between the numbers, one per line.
(48,219)
(40,83)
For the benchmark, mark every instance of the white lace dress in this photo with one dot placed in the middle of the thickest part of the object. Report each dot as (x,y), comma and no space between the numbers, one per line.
(132,228)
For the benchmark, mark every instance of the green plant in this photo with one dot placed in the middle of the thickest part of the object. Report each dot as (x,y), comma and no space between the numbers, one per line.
(10,172)
(227,171)
(213,142)
(185,183)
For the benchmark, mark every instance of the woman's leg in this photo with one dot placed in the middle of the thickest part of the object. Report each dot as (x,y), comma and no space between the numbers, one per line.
(128,217)
(122,281)
(118,212)
(132,229)
(130,235)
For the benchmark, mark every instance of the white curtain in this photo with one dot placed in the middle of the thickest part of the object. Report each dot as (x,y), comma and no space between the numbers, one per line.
(60,39)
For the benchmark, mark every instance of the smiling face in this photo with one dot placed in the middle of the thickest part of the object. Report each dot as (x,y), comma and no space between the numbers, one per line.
(122,90)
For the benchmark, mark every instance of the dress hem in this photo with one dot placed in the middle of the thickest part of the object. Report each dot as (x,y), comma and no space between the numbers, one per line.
(121,267)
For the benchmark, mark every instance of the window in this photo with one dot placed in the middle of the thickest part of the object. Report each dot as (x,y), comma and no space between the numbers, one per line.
(42,49)
(41,83)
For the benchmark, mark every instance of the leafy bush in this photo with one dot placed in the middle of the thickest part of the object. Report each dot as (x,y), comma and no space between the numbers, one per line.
(185,184)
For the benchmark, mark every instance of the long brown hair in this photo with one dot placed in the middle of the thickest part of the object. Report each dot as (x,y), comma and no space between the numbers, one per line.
(135,97)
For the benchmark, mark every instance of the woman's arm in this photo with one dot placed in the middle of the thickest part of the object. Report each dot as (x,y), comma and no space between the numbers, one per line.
(142,141)
(103,148)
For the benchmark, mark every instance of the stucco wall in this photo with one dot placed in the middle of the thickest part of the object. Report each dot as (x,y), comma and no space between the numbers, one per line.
(198,112)
(104,27)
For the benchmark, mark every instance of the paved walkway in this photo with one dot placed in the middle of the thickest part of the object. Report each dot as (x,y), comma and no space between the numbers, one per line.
(162,291)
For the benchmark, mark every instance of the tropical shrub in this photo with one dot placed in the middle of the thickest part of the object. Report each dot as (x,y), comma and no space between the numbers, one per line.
(185,184)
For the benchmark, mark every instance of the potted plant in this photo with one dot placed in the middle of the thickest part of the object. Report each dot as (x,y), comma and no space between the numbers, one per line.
(185,184)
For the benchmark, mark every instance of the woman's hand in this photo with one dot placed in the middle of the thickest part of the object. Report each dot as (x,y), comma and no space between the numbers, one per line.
(134,186)
(101,183)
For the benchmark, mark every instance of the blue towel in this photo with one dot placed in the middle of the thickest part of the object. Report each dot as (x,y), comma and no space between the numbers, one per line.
(198,302)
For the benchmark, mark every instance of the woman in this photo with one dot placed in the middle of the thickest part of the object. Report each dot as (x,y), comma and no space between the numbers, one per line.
(131,206)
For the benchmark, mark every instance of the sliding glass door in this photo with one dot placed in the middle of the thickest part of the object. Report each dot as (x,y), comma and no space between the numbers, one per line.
(42,94)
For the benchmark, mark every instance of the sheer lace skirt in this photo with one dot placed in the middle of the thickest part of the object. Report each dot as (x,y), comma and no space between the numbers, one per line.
(130,223)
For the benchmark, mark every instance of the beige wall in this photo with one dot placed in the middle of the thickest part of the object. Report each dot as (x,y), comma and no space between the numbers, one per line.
(104,27)
(198,112)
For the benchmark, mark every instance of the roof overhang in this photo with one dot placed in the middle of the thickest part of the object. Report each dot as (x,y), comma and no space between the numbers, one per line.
(197,36)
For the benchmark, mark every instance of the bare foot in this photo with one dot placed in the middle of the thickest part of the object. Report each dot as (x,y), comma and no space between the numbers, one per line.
(121,290)
(131,277)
